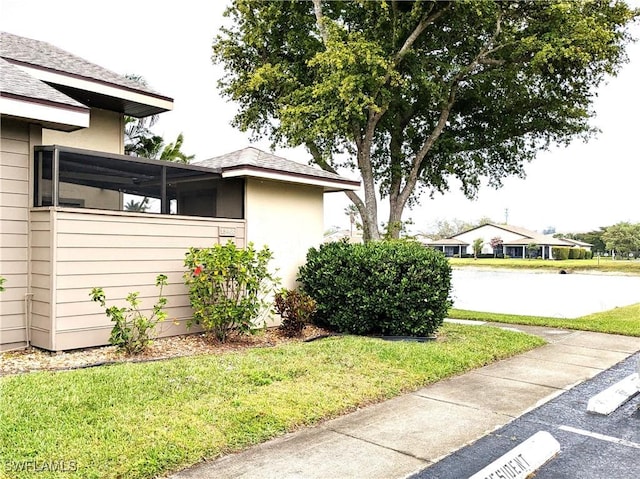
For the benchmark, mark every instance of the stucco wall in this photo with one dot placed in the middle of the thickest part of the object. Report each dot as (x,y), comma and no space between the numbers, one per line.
(105,133)
(486,232)
(286,217)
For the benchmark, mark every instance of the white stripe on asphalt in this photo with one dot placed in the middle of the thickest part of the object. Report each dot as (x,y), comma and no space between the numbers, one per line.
(602,437)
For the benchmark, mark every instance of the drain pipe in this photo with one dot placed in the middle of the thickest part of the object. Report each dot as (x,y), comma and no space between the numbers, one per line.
(27,316)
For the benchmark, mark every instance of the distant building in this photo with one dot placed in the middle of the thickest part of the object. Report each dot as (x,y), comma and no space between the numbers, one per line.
(515,241)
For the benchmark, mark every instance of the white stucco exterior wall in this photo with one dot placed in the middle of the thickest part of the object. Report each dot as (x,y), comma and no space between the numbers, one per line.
(286,217)
(486,232)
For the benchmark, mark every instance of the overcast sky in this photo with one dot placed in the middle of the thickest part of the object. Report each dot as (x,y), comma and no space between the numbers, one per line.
(578,188)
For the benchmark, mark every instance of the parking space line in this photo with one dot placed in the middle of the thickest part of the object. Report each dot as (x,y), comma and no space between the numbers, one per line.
(602,437)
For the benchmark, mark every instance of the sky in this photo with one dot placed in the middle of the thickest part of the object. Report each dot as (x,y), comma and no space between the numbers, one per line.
(578,188)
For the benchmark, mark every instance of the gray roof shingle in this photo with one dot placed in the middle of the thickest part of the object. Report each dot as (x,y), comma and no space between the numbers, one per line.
(41,54)
(251,157)
(16,83)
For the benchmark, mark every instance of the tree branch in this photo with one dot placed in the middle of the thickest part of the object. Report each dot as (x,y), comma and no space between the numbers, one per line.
(480,58)
(317,9)
(426,20)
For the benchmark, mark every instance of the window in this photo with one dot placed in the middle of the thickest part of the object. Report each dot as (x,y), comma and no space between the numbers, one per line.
(86,179)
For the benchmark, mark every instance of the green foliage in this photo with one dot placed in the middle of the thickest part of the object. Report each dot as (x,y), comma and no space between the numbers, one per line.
(577,253)
(388,288)
(588,254)
(478,243)
(296,310)
(560,252)
(132,330)
(2,281)
(623,238)
(416,94)
(228,287)
(532,250)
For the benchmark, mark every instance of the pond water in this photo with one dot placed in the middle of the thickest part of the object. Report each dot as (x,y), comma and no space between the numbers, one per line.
(541,293)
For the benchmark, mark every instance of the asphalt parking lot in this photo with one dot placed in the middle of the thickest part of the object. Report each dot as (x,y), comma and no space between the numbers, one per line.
(592,446)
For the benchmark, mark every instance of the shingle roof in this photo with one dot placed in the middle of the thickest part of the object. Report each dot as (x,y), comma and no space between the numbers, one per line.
(18,84)
(91,84)
(447,242)
(255,159)
(42,54)
(528,236)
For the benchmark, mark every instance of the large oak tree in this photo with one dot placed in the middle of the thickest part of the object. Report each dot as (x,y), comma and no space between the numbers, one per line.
(413,94)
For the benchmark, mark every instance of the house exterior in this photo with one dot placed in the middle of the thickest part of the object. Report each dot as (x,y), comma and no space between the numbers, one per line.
(68,220)
(515,242)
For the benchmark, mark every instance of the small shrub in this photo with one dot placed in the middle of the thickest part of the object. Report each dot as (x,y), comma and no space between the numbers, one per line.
(560,252)
(2,280)
(227,287)
(390,288)
(588,254)
(296,310)
(132,329)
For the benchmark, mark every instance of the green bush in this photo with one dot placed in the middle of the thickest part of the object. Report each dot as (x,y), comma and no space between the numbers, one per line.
(388,288)
(2,280)
(560,252)
(588,254)
(577,253)
(228,287)
(296,310)
(132,329)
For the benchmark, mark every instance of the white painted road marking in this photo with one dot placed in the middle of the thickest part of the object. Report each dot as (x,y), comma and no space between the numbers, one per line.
(602,437)
(522,460)
(614,396)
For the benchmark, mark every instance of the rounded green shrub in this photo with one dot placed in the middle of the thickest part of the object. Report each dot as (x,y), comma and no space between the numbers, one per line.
(397,288)
(560,252)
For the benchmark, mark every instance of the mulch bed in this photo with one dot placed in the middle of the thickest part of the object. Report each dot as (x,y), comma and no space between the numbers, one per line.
(33,359)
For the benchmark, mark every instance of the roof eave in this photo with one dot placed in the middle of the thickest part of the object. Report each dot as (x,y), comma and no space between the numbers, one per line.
(86,90)
(328,185)
(49,115)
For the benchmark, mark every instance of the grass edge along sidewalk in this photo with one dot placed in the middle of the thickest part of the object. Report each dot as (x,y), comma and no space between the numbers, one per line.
(624,320)
(146,419)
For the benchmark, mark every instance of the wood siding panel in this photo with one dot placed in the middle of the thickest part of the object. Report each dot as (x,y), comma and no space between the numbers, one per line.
(13,186)
(14,199)
(15,173)
(121,253)
(14,240)
(14,227)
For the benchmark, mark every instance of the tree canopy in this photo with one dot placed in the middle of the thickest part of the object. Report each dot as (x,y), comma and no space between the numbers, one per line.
(415,94)
(623,238)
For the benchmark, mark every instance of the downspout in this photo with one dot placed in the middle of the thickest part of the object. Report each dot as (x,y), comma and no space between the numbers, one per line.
(27,316)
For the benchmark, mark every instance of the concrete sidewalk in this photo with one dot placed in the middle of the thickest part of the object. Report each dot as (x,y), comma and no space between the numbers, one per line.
(401,436)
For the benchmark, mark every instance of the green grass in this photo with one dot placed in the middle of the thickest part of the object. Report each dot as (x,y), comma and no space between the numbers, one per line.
(602,265)
(623,320)
(145,419)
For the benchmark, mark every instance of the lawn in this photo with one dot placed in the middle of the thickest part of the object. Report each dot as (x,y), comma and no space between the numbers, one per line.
(594,264)
(623,320)
(139,420)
